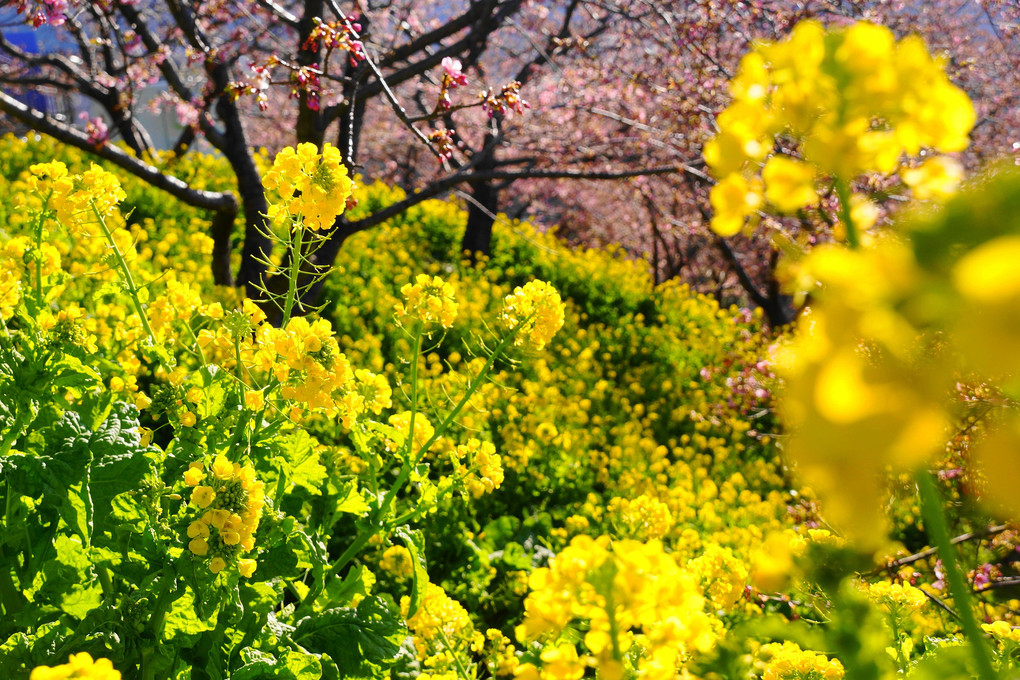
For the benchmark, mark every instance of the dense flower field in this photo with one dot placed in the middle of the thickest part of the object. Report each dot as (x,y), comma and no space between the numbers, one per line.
(536,466)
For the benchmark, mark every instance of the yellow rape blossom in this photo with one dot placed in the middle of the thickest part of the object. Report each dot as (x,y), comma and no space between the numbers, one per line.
(534,312)
(734,199)
(313,187)
(429,300)
(855,101)
(75,198)
(897,597)
(935,178)
(443,634)
(651,597)
(80,666)
(787,661)
(232,503)
(789,184)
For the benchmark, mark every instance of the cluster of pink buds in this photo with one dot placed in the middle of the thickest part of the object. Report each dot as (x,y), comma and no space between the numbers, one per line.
(442,141)
(506,100)
(52,12)
(307,78)
(453,77)
(337,35)
(95,128)
(259,85)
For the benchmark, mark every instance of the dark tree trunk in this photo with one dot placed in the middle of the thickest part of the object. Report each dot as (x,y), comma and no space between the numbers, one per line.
(483,206)
(249,183)
(222,233)
(310,121)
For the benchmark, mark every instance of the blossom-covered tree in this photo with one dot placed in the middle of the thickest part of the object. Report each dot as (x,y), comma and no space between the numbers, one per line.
(590,114)
(320,70)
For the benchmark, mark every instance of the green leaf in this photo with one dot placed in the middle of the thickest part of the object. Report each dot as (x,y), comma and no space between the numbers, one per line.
(350,500)
(292,665)
(952,662)
(415,542)
(70,371)
(183,623)
(363,642)
(120,461)
(78,509)
(216,386)
(299,666)
(358,582)
(305,469)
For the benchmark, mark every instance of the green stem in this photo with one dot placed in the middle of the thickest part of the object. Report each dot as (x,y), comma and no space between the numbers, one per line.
(898,641)
(935,523)
(471,389)
(105,582)
(295,267)
(38,258)
(129,281)
(843,193)
(461,671)
(148,669)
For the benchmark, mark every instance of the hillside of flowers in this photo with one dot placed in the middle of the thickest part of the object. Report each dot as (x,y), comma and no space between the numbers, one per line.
(536,464)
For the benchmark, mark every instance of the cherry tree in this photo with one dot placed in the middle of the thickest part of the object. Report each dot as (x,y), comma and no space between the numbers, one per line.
(325,71)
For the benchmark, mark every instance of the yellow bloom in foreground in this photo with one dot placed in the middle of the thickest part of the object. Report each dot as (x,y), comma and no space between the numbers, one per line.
(789,184)
(535,312)
(936,178)
(733,200)
(80,666)
(787,661)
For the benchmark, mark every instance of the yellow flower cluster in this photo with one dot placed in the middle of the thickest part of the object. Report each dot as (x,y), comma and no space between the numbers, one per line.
(897,597)
(628,593)
(80,666)
(423,431)
(854,408)
(444,636)
(722,574)
(304,358)
(231,500)
(12,266)
(478,466)
(314,187)
(74,198)
(1003,632)
(787,661)
(69,325)
(502,658)
(429,300)
(397,560)
(534,312)
(643,518)
(854,98)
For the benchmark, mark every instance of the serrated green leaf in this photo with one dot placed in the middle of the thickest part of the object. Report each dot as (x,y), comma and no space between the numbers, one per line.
(182,624)
(78,510)
(350,500)
(120,461)
(298,666)
(215,387)
(301,464)
(70,371)
(358,582)
(363,642)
